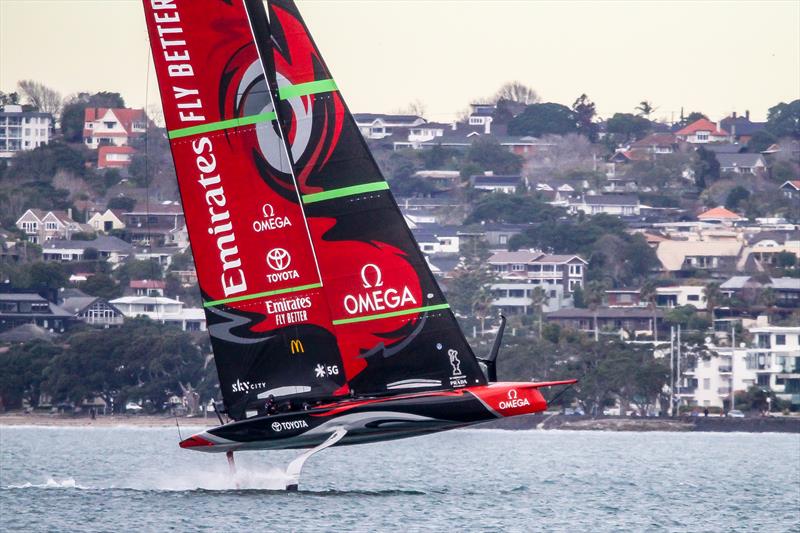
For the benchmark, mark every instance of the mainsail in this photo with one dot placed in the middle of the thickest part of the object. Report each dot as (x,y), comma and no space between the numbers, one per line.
(312,284)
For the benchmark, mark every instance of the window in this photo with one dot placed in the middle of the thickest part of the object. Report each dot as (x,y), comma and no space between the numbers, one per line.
(706,383)
(701,136)
(109,125)
(50,225)
(780,340)
(693,297)
(517,267)
(763,380)
(503,239)
(575,270)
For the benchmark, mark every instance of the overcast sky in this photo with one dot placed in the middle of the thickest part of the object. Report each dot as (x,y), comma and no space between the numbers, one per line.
(714,57)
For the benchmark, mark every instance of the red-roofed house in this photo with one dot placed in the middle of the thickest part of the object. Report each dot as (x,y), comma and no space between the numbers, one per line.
(112,126)
(791,189)
(147,287)
(702,131)
(719,214)
(114,156)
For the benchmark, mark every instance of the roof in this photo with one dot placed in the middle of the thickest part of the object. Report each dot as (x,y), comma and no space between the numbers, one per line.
(368,118)
(740,160)
(611,199)
(719,213)
(103,243)
(794,184)
(147,284)
(559,259)
(672,254)
(26,333)
(740,282)
(724,148)
(702,124)
(606,312)
(21,297)
(741,125)
(656,139)
(126,300)
(521,256)
(125,116)
(496,180)
(76,304)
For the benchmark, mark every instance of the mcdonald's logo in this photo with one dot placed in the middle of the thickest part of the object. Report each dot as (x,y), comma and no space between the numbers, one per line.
(296,346)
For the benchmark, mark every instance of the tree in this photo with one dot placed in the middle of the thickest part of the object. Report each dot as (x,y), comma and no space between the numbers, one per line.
(123,203)
(713,295)
(648,293)
(736,196)
(694,116)
(584,112)
(102,286)
(47,276)
(41,97)
(783,120)
(627,127)
(543,119)
(21,372)
(539,300)
(593,295)
(512,209)
(470,288)
(705,167)
(488,154)
(760,141)
(516,91)
(43,162)
(645,109)
(73,111)
(9,98)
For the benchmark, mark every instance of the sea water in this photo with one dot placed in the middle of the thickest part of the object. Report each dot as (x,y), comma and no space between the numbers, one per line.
(137,479)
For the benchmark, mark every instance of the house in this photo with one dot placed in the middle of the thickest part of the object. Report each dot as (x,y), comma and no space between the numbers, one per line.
(749,289)
(656,144)
(380,126)
(742,164)
(515,297)
(610,204)
(92,310)
(440,178)
(540,268)
(720,215)
(624,298)
(791,189)
(503,184)
(702,131)
(623,321)
(680,295)
(31,308)
(42,226)
(22,130)
(718,257)
(111,156)
(771,361)
(496,234)
(147,287)
(111,249)
(741,128)
(106,221)
(164,310)
(765,247)
(153,222)
(436,239)
(112,126)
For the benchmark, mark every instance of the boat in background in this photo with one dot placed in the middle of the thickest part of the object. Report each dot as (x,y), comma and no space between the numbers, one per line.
(327,326)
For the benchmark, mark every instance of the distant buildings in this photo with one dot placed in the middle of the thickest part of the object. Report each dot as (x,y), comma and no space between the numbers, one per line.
(108,248)
(702,131)
(164,310)
(22,130)
(17,309)
(42,226)
(609,204)
(112,126)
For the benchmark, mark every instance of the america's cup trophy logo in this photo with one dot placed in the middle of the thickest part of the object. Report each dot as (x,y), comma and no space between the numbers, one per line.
(455,362)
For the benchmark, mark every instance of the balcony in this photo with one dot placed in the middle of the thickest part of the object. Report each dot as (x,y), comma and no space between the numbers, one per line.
(724,391)
(725,370)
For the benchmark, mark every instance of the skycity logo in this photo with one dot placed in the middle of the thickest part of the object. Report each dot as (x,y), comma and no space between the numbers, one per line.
(378,299)
(279,260)
(514,401)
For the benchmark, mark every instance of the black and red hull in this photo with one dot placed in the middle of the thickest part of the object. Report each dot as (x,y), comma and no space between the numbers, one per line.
(375,419)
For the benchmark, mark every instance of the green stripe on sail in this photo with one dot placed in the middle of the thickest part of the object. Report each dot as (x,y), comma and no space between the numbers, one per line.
(345,191)
(303,89)
(436,307)
(261,294)
(221,125)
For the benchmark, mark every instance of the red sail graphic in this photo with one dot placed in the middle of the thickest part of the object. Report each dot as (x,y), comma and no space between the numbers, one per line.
(255,264)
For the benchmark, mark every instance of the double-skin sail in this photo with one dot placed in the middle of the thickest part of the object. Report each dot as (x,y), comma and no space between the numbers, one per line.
(312,283)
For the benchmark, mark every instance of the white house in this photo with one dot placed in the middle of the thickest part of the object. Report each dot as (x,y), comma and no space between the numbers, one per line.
(379,126)
(680,295)
(43,226)
(109,248)
(112,126)
(164,310)
(610,204)
(541,269)
(514,297)
(107,221)
(22,130)
(702,131)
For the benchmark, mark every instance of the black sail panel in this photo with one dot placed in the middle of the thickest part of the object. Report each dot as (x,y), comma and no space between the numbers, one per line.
(394,328)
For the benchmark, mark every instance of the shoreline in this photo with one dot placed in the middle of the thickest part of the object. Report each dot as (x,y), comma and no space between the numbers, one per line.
(538,421)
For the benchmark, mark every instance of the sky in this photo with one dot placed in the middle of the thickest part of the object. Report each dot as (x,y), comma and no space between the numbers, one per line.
(712,56)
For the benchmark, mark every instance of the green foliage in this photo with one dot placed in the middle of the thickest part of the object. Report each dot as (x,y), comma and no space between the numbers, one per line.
(21,370)
(73,112)
(694,116)
(469,289)
(783,120)
(627,127)
(46,276)
(737,195)
(135,269)
(44,161)
(102,286)
(584,113)
(123,203)
(544,119)
(9,98)
(760,141)
(439,158)
(487,154)
(783,171)
(499,207)
(706,168)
